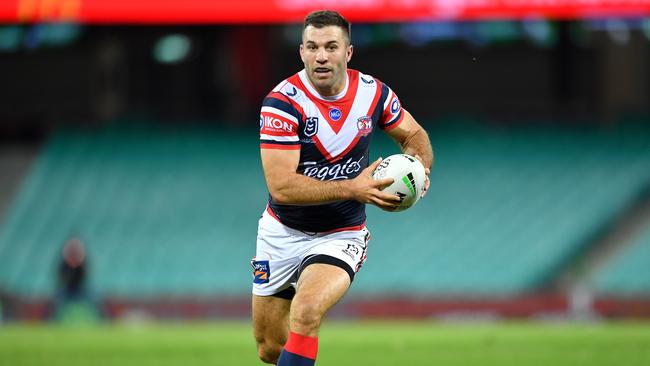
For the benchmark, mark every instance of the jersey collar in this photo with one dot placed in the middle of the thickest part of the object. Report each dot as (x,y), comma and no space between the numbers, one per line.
(310,88)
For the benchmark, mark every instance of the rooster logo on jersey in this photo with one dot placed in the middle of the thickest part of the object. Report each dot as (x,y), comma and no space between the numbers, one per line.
(364,124)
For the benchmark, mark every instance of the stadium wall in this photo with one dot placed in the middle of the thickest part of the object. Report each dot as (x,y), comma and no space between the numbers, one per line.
(533,306)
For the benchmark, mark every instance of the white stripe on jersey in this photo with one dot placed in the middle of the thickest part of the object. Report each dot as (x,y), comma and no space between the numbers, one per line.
(335,143)
(389,98)
(280,113)
(264,136)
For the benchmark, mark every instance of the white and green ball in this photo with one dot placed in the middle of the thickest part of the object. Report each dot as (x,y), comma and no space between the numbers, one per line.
(408,173)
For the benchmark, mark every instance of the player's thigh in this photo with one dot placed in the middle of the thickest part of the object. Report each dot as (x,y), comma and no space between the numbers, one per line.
(271,319)
(320,287)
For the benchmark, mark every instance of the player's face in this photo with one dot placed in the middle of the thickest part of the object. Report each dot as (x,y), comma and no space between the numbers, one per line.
(326,52)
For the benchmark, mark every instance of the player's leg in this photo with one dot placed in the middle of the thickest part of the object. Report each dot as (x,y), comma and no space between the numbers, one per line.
(270,326)
(319,287)
(275,267)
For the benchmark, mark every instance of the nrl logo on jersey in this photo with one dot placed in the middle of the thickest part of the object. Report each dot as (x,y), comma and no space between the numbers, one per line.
(311,126)
(364,124)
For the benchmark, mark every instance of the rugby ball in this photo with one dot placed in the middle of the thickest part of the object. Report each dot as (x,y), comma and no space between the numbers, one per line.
(408,173)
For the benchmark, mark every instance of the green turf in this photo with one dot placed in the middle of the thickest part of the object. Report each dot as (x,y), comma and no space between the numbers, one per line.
(376,344)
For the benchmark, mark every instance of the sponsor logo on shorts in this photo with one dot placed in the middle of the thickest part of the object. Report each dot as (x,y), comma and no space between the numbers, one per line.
(261,271)
(352,251)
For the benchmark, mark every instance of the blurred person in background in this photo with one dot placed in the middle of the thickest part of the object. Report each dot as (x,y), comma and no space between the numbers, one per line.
(72,275)
(315,132)
(2,301)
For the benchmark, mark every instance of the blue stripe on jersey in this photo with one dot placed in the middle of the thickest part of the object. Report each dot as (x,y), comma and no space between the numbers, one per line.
(392,122)
(379,108)
(283,106)
(279,142)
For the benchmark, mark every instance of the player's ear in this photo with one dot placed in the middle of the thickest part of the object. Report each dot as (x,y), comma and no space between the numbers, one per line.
(302,52)
(349,53)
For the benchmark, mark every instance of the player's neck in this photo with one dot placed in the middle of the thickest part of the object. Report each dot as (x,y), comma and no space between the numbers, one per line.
(333,92)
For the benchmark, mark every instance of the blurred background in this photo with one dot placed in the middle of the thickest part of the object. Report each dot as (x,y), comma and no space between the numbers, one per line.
(131,186)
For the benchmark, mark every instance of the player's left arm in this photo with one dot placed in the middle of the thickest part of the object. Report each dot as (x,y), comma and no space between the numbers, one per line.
(414,140)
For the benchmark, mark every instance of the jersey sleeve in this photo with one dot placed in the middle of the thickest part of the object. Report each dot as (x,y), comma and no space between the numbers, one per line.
(279,122)
(392,113)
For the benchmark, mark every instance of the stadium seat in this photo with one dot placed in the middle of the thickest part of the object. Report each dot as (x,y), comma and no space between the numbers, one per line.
(169,211)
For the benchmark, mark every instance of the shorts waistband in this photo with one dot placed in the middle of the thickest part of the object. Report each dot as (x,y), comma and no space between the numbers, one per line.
(347,228)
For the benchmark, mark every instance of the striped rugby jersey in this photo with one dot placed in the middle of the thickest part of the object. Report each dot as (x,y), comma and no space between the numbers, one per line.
(333,135)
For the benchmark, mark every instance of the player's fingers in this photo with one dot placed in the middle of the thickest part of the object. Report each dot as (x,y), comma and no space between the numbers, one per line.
(376,201)
(390,198)
(371,168)
(383,183)
(386,206)
(426,187)
(426,170)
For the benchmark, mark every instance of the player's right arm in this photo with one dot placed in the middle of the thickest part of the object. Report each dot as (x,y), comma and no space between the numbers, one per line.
(288,187)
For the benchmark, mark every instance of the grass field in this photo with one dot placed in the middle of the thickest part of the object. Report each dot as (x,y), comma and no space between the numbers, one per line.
(341,343)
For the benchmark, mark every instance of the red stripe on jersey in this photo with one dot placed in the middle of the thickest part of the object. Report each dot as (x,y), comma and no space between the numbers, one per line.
(373,105)
(265,145)
(270,211)
(279,96)
(396,123)
(294,81)
(277,133)
(344,104)
(347,149)
(386,115)
(354,142)
(321,148)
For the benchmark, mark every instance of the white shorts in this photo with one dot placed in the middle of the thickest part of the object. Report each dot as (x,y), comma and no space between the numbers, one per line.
(282,253)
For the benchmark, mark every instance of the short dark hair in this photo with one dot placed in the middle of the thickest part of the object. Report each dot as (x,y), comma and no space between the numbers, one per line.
(324,18)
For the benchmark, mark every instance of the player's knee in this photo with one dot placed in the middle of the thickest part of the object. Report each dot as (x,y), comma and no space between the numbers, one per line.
(269,352)
(306,314)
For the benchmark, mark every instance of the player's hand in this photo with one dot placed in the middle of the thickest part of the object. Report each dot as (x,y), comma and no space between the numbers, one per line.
(426,181)
(365,189)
